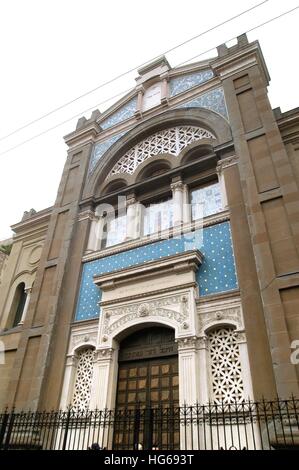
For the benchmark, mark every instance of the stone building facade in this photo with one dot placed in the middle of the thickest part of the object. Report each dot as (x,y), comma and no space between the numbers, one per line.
(167,270)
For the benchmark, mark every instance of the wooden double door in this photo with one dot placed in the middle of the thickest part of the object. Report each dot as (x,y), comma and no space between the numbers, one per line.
(147,392)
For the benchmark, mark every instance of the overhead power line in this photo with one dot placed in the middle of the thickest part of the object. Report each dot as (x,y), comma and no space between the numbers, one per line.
(108,82)
(126,91)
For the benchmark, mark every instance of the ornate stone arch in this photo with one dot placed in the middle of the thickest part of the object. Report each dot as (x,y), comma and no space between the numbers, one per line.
(199,117)
(129,325)
(82,344)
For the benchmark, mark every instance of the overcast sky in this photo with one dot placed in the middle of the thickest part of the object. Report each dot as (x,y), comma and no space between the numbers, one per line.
(53,51)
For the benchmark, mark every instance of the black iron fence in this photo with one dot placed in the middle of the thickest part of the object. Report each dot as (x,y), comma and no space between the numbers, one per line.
(246,425)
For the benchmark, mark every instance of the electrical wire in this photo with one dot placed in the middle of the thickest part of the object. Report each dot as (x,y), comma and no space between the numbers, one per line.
(108,82)
(125,91)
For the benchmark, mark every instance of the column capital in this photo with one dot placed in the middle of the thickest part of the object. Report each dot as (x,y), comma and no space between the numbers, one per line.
(140,89)
(28,290)
(187,342)
(178,186)
(103,354)
(241,336)
(203,342)
(226,163)
(131,200)
(71,360)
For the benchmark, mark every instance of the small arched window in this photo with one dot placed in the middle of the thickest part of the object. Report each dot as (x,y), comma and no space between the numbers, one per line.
(82,386)
(18,304)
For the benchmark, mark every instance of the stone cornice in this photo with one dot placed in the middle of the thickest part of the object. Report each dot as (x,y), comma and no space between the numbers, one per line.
(226,163)
(40,218)
(221,296)
(142,295)
(190,68)
(179,263)
(240,59)
(84,135)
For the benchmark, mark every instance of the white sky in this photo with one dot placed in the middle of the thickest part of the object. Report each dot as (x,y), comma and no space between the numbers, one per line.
(55,50)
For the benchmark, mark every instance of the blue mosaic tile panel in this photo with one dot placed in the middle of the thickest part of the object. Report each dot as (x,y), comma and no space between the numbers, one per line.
(216,274)
(213,100)
(184,82)
(125,112)
(100,149)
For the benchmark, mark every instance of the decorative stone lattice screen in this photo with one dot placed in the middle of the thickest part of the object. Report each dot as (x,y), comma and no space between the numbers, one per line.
(82,388)
(170,141)
(226,374)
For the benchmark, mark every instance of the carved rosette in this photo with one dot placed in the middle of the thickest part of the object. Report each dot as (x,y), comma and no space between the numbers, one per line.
(83,339)
(144,310)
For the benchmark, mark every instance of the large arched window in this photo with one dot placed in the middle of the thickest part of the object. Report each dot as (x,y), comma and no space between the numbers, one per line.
(18,305)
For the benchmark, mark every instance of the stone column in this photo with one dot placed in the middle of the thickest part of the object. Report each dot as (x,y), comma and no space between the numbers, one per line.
(103,389)
(99,231)
(203,359)
(188,387)
(133,222)
(164,88)
(245,366)
(28,292)
(248,389)
(69,380)
(140,91)
(186,205)
(178,189)
(104,379)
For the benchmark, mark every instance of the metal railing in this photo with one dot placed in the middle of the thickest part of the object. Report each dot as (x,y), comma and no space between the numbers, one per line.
(247,425)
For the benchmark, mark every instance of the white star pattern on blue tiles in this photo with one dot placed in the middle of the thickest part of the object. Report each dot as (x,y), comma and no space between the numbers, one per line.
(214,275)
(184,82)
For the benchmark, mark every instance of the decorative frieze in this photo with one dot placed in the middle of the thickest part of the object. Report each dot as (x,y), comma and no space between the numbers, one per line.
(83,339)
(175,308)
(226,314)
